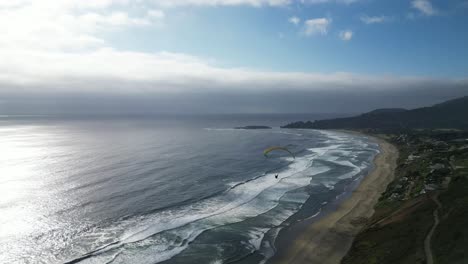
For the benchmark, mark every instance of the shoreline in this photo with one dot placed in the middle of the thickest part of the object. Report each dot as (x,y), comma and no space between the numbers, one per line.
(328,238)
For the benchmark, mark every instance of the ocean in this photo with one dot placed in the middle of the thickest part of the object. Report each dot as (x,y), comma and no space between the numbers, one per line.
(164,189)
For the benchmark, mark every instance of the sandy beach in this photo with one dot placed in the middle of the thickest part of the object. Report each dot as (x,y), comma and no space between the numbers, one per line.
(328,239)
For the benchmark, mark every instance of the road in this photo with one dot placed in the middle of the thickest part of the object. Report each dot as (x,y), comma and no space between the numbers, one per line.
(427,241)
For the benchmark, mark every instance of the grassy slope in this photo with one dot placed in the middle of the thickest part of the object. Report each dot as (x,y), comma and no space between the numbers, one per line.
(400,240)
(395,234)
(450,242)
(404,224)
(396,231)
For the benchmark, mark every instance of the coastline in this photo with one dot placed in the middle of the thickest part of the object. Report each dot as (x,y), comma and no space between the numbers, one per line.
(329,237)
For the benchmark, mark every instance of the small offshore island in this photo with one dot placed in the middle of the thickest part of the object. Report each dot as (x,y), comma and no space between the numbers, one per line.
(421,216)
(253,127)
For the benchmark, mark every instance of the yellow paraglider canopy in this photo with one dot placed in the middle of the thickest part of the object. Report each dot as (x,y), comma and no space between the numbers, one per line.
(270,149)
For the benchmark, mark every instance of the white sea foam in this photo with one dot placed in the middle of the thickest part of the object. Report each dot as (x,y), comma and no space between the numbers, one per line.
(186,223)
(323,150)
(163,235)
(315,215)
(289,133)
(256,236)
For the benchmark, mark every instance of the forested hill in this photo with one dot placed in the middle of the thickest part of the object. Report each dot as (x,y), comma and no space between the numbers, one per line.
(450,114)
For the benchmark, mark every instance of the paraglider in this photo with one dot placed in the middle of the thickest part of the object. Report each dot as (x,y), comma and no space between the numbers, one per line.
(270,149)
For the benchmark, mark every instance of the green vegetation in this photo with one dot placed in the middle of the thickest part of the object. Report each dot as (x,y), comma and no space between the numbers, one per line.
(430,162)
(432,167)
(450,243)
(400,240)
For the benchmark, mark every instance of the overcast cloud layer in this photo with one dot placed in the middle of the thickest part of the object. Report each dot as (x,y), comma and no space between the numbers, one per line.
(54,58)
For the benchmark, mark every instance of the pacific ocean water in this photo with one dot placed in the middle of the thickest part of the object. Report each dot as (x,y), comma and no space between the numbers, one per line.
(163,189)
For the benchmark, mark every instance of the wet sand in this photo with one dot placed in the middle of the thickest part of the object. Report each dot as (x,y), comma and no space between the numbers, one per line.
(328,239)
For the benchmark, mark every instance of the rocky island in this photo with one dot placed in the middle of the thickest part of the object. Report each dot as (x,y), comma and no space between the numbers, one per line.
(253,127)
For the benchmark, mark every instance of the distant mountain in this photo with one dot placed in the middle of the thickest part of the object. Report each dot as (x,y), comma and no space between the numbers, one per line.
(450,114)
(386,110)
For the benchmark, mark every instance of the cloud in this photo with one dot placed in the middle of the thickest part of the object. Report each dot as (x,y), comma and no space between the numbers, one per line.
(347,2)
(424,6)
(156,13)
(115,81)
(67,24)
(317,26)
(294,20)
(50,49)
(374,19)
(346,35)
(111,71)
(256,3)
(114,19)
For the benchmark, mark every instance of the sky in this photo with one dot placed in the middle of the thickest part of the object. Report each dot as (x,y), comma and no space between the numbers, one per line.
(230,56)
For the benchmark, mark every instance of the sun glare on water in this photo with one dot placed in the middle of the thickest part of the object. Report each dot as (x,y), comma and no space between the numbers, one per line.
(25,157)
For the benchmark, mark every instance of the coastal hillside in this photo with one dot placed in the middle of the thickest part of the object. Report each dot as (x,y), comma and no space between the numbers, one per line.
(421,217)
(450,114)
